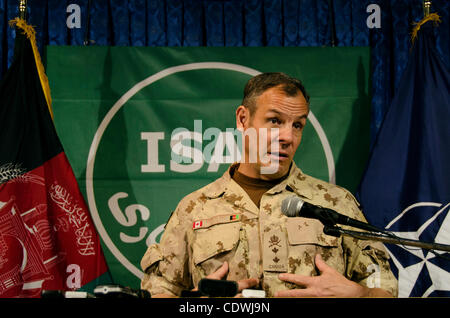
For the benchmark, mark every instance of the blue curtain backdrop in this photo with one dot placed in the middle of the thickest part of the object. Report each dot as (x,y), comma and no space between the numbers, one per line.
(238,23)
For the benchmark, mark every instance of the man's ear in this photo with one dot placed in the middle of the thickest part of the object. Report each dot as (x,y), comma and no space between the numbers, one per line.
(242,117)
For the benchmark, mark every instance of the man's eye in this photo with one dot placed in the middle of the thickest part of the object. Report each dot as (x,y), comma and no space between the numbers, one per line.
(274,121)
(298,125)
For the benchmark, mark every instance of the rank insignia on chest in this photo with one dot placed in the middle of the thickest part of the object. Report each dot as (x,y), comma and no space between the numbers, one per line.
(275,251)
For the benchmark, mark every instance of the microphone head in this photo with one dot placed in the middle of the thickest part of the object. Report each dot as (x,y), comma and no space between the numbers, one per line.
(291,206)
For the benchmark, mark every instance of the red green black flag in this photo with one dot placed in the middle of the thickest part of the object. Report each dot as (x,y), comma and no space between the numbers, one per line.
(47,238)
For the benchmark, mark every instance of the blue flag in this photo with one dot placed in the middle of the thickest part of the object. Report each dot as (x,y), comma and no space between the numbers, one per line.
(406,186)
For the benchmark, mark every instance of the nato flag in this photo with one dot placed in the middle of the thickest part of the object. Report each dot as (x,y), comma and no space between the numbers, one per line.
(406,186)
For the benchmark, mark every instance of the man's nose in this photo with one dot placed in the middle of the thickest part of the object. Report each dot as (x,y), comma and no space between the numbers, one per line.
(286,135)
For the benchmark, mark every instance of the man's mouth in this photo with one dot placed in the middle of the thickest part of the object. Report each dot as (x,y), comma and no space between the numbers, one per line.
(279,155)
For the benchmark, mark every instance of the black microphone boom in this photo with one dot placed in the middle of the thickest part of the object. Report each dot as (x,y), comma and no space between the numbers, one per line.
(294,206)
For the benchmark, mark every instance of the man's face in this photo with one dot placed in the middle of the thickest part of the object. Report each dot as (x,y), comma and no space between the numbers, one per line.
(274,109)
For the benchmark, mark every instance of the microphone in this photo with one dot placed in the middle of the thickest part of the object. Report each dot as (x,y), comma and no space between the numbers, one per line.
(293,206)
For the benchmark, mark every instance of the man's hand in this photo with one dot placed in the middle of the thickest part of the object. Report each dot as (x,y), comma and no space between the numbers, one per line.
(330,283)
(222,272)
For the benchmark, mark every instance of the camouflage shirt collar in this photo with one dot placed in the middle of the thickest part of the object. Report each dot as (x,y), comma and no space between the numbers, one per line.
(295,182)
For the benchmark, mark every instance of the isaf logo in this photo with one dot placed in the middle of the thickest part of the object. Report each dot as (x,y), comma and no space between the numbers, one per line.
(130,213)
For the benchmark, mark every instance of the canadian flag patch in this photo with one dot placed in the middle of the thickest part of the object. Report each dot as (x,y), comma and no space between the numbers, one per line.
(197,224)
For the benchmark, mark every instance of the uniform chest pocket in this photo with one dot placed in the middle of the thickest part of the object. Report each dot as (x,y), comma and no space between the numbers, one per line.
(303,231)
(215,240)
(306,239)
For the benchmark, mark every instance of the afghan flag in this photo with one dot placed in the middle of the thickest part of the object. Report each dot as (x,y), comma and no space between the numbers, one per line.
(47,238)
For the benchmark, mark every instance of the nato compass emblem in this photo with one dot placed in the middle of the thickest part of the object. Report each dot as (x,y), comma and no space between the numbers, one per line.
(420,272)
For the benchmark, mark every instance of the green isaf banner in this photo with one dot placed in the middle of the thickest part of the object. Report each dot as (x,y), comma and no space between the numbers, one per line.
(134,121)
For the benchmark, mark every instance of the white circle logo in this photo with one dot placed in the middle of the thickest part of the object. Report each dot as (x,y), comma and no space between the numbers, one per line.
(129,94)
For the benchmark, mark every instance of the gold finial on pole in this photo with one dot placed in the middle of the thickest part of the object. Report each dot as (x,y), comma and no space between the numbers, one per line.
(23,9)
(427,16)
(426,8)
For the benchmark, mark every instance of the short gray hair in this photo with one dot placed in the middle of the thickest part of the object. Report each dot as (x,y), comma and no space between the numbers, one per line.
(258,84)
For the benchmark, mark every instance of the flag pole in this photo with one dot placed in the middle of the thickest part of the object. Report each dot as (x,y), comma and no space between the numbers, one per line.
(426,8)
(23,9)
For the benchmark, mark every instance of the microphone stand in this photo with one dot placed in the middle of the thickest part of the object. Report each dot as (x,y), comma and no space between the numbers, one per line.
(383,236)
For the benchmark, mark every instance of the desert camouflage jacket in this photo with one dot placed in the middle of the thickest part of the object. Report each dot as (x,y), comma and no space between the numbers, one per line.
(220,222)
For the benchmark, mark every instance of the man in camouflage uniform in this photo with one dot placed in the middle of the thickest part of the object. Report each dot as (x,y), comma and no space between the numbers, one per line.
(234,229)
